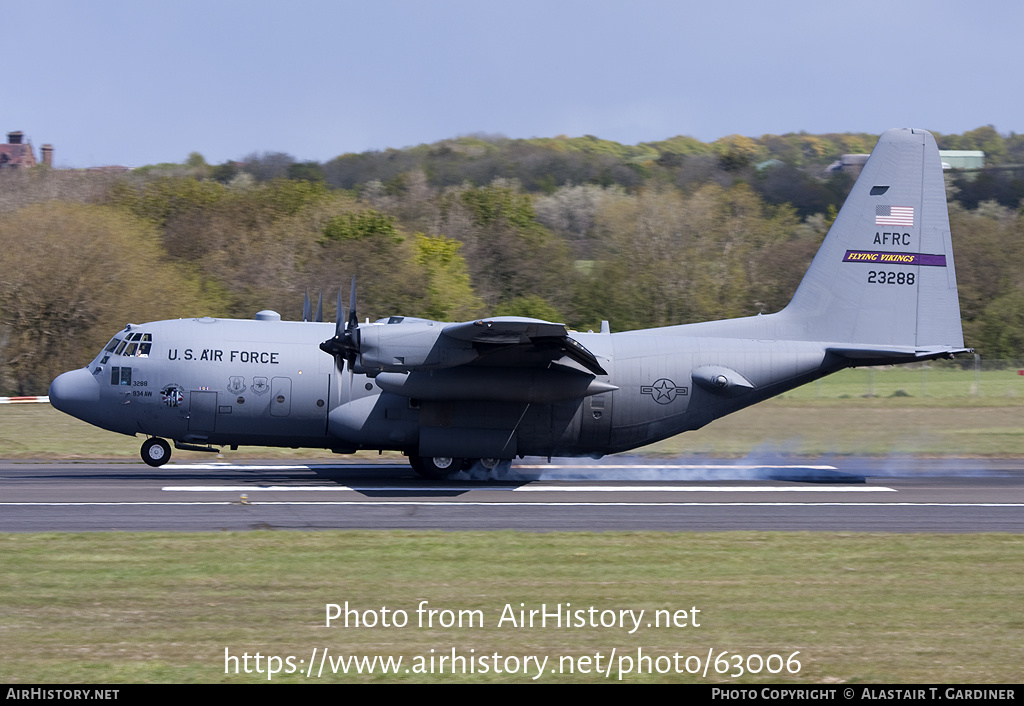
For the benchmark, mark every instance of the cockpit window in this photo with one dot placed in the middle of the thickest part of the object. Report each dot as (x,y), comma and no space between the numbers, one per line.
(136,344)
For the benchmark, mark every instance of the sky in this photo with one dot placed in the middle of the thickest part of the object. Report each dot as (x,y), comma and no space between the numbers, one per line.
(108,82)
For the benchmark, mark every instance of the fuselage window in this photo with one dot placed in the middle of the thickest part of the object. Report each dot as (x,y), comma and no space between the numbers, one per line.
(130,350)
(121,376)
(112,345)
(120,347)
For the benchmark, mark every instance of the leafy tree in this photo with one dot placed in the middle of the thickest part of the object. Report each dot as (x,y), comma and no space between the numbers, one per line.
(22,187)
(224,173)
(571,211)
(267,166)
(1000,329)
(356,225)
(737,152)
(509,254)
(449,294)
(306,171)
(165,197)
(71,276)
(197,165)
(530,305)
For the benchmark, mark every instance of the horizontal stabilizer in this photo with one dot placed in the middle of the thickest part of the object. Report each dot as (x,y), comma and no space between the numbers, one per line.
(867,355)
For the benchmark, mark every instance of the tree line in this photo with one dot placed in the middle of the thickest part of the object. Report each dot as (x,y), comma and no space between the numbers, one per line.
(575,230)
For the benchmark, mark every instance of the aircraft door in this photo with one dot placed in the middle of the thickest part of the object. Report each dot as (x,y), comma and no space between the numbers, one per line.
(202,411)
(280,397)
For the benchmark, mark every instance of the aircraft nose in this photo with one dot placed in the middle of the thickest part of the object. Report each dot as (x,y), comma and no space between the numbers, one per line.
(73,392)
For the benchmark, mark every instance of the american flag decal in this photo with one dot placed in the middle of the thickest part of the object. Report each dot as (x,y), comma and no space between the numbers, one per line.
(894,215)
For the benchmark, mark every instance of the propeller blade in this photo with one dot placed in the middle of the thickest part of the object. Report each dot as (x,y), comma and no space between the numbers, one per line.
(319,308)
(353,320)
(339,323)
(305,306)
(333,345)
(345,343)
(352,328)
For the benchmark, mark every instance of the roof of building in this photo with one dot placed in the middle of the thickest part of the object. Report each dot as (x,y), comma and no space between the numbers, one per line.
(17,153)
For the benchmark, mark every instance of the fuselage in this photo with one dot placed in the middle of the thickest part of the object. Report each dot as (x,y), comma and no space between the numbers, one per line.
(227,382)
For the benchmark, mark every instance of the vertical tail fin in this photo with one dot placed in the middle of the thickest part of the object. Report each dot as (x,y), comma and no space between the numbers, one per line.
(884,275)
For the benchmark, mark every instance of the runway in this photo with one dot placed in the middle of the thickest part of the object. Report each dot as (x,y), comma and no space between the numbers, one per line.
(852,495)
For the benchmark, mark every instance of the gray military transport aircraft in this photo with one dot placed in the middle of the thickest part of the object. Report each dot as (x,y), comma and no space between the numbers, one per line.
(881,290)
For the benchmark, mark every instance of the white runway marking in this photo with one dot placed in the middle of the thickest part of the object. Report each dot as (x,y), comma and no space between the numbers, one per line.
(455,503)
(530,489)
(676,466)
(225,466)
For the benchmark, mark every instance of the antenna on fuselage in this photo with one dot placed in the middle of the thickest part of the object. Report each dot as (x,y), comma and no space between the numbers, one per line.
(307,306)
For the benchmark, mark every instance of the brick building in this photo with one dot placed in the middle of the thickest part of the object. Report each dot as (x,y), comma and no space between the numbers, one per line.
(18,153)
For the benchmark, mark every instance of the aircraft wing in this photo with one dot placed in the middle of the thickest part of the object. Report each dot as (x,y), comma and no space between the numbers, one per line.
(503,333)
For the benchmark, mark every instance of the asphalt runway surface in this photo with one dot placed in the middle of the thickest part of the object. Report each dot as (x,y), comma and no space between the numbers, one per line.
(908,495)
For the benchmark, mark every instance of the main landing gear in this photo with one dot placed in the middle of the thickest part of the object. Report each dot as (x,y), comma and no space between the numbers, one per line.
(444,467)
(156,452)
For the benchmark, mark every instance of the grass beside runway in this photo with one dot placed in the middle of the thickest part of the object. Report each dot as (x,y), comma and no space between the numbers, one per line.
(162,607)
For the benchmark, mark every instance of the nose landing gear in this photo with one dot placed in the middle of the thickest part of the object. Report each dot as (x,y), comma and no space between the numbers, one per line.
(156,452)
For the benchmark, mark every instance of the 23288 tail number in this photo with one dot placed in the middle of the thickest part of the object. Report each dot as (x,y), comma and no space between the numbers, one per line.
(882,277)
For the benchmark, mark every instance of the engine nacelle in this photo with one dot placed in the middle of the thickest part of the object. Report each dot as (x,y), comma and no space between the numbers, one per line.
(401,347)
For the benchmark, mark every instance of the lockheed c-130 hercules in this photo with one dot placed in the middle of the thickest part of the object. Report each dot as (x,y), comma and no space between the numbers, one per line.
(881,290)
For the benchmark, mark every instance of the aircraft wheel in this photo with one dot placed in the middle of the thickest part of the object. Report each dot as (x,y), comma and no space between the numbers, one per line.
(435,467)
(490,463)
(156,452)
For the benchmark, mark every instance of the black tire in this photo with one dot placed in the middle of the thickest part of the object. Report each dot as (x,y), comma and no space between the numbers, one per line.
(156,452)
(490,463)
(435,467)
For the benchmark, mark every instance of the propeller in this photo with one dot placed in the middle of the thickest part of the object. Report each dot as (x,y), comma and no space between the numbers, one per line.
(344,344)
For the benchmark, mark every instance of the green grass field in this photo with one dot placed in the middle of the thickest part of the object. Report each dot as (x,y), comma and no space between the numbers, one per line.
(856,607)
(864,608)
